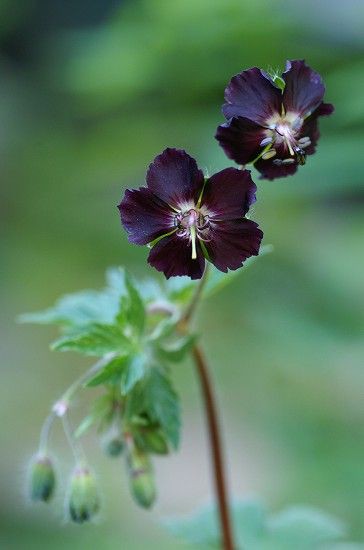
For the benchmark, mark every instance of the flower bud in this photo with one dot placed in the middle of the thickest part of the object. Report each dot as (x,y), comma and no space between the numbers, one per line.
(84,501)
(42,479)
(155,442)
(141,477)
(114,447)
(113,442)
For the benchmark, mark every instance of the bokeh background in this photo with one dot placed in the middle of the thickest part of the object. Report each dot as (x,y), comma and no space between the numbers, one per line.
(90,92)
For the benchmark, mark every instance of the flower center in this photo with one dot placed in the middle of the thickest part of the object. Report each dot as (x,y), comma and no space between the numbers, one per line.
(192,224)
(283,133)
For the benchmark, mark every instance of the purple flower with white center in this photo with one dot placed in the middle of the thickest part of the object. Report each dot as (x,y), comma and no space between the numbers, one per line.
(272,128)
(188,219)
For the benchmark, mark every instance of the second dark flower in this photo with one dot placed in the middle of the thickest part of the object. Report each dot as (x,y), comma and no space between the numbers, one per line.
(272,128)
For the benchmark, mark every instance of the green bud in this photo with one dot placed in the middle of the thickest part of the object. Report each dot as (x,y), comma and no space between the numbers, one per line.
(113,441)
(114,446)
(141,477)
(84,501)
(155,442)
(42,479)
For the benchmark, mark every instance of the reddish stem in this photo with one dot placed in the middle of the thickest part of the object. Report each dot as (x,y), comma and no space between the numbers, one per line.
(216,449)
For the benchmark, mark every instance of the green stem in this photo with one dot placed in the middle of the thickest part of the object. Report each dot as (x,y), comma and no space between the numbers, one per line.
(269,146)
(191,308)
(44,434)
(75,446)
(61,406)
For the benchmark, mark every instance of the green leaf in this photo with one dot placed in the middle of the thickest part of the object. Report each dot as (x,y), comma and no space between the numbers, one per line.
(202,527)
(133,372)
(75,310)
(101,415)
(95,339)
(108,372)
(165,327)
(155,396)
(132,310)
(303,527)
(299,527)
(84,426)
(176,351)
(216,280)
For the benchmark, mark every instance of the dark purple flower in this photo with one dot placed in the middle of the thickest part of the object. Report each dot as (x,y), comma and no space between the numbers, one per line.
(187,218)
(271,128)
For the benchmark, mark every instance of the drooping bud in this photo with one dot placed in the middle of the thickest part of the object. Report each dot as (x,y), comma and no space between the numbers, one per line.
(42,479)
(155,442)
(113,442)
(141,477)
(84,500)
(114,447)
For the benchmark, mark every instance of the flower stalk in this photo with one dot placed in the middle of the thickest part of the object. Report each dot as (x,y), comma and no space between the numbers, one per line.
(213,424)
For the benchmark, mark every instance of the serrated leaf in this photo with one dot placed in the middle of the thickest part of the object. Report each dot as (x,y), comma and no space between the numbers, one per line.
(155,396)
(75,310)
(176,351)
(133,372)
(132,310)
(95,339)
(108,372)
(84,307)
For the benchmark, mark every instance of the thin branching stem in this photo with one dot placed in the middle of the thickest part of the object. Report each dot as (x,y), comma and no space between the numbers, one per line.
(45,431)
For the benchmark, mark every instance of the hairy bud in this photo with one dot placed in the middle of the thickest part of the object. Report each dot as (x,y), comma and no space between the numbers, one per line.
(84,501)
(42,479)
(141,477)
(113,442)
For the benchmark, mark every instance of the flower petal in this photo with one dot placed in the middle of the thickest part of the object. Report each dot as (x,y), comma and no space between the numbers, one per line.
(229,194)
(232,242)
(324,109)
(270,170)
(174,177)
(173,256)
(304,88)
(144,216)
(310,127)
(240,138)
(252,95)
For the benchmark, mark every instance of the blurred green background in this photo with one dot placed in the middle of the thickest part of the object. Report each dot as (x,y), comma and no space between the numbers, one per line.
(90,92)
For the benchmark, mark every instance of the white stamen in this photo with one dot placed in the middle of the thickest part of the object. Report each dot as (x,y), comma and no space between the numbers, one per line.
(265,141)
(193,240)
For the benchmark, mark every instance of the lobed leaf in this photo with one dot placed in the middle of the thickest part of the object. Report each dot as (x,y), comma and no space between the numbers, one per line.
(109,372)
(155,396)
(95,339)
(133,372)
